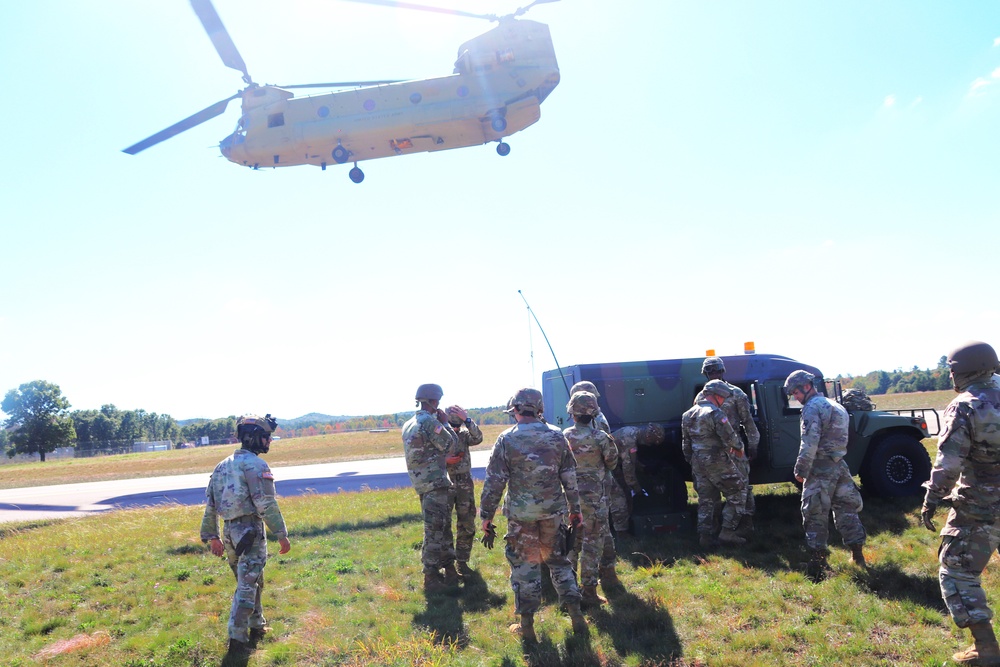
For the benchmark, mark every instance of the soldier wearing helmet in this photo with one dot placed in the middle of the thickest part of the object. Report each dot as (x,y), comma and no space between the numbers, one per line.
(460,472)
(428,440)
(966,475)
(241,491)
(825,476)
(740,415)
(710,445)
(596,456)
(600,421)
(533,462)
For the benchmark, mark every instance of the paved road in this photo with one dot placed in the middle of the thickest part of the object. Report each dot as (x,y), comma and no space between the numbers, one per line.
(67,500)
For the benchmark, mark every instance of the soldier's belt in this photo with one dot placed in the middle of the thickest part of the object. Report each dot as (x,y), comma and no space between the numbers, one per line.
(246,518)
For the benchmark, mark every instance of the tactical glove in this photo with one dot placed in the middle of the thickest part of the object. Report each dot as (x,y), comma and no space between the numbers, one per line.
(489,536)
(927,516)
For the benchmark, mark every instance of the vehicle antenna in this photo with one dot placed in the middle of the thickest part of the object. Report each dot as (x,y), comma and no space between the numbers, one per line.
(535,317)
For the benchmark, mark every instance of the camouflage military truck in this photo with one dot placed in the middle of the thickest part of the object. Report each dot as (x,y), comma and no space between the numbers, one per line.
(885,447)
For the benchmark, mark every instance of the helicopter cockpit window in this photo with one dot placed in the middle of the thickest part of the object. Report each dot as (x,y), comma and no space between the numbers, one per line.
(462,64)
(276,120)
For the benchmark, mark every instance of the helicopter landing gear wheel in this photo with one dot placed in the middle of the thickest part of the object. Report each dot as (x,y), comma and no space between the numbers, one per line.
(503,149)
(356,174)
(498,123)
(340,154)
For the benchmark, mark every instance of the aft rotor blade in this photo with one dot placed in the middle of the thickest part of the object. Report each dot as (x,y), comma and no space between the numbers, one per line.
(426,8)
(197,119)
(220,38)
(522,10)
(342,84)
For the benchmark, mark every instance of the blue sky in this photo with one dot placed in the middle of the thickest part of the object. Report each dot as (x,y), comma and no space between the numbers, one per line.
(818,178)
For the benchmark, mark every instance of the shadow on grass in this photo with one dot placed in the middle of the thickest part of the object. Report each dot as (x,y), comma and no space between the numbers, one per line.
(347,527)
(778,545)
(11,531)
(443,618)
(575,651)
(638,627)
(887,581)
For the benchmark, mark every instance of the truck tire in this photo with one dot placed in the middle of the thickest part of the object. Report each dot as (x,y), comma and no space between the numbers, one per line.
(897,466)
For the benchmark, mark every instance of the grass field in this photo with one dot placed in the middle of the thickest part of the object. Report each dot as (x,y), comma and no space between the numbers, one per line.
(137,587)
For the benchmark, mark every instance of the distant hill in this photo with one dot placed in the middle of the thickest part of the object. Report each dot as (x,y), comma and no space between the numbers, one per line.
(304,420)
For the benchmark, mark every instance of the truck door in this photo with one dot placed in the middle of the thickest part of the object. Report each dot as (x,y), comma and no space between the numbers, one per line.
(782,415)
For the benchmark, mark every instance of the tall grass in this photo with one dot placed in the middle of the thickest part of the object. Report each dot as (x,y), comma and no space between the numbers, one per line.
(136,587)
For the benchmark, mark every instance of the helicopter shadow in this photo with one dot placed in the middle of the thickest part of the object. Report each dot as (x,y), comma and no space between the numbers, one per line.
(638,627)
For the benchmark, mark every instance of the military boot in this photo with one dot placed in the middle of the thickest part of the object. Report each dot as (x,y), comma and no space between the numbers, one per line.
(745,529)
(817,568)
(858,555)
(591,598)
(609,578)
(526,628)
(450,575)
(707,541)
(433,583)
(463,568)
(984,650)
(576,615)
(730,538)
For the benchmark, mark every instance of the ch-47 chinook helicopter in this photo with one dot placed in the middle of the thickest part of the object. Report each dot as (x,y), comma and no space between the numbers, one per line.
(500,79)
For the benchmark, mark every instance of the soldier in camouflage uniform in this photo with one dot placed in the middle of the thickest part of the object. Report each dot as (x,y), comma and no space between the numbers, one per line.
(625,482)
(596,455)
(600,421)
(710,445)
(740,416)
(241,491)
(460,472)
(825,477)
(966,475)
(535,465)
(428,440)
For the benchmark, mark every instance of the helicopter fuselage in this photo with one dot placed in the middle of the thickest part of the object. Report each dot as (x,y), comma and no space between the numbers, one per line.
(501,78)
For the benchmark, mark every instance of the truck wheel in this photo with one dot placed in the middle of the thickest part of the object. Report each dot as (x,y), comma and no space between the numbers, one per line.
(897,467)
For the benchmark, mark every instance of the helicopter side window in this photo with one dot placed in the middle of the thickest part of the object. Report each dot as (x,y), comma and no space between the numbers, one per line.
(276,119)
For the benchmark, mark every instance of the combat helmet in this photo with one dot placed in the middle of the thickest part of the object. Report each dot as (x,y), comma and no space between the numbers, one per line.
(429,392)
(717,388)
(583,403)
(454,418)
(527,401)
(797,380)
(253,432)
(585,385)
(973,357)
(712,365)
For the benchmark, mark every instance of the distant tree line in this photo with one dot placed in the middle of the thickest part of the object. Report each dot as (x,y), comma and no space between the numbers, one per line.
(40,421)
(901,382)
(494,415)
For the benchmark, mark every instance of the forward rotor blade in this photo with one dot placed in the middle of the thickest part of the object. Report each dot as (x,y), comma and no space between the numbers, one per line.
(342,84)
(426,8)
(197,119)
(220,38)
(522,10)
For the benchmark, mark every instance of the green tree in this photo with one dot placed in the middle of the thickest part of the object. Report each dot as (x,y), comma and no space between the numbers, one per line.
(38,420)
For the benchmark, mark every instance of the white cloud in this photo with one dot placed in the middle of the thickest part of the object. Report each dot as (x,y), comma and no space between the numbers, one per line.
(917,100)
(996,73)
(889,101)
(996,42)
(978,85)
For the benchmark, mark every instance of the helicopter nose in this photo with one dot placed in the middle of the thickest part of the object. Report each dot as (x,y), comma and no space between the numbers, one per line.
(226,146)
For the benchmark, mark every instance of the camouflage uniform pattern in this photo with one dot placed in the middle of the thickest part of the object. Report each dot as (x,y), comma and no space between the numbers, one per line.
(595,455)
(469,435)
(828,483)
(856,400)
(738,412)
(706,438)
(534,463)
(624,478)
(426,443)
(241,492)
(967,474)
